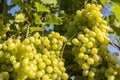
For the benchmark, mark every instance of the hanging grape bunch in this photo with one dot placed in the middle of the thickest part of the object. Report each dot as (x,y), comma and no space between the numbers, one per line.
(35,58)
(90,44)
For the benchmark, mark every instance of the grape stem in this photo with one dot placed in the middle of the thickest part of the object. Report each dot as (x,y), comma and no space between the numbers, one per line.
(66,43)
(115,45)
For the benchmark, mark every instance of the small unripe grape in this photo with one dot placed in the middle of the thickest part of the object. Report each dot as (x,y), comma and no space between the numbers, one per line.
(45,77)
(92,34)
(80,55)
(78,12)
(64,76)
(85,66)
(85,40)
(39,74)
(62,12)
(41,65)
(96,58)
(1,53)
(91,74)
(49,69)
(86,30)
(83,49)
(26,41)
(80,36)
(75,41)
(89,44)
(94,51)
(85,57)
(90,61)
(85,72)
(111,77)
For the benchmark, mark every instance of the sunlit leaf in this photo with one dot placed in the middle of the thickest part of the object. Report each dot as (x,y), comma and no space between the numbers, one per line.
(49,1)
(103,2)
(33,29)
(52,19)
(20,17)
(116,10)
(115,25)
(37,18)
(40,7)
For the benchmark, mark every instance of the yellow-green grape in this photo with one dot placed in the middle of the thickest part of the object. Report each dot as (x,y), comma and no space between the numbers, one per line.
(78,12)
(89,44)
(45,77)
(96,58)
(80,55)
(94,51)
(111,77)
(42,65)
(49,69)
(86,30)
(1,53)
(90,61)
(85,57)
(85,66)
(80,36)
(85,40)
(85,72)
(82,49)
(64,76)
(91,74)
(75,41)
(92,34)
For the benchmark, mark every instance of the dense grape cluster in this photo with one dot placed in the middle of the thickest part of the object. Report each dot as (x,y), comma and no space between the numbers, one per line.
(90,44)
(34,58)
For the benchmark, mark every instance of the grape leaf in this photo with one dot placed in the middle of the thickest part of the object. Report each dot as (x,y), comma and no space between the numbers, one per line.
(37,19)
(52,19)
(116,10)
(49,1)
(103,2)
(20,17)
(40,7)
(115,25)
(33,29)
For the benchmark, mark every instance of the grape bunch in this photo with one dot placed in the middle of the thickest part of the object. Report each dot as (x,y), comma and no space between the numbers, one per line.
(90,44)
(33,58)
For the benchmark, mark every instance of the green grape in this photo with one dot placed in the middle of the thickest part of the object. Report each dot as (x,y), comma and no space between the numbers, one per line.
(45,77)
(26,68)
(78,12)
(90,61)
(26,41)
(64,76)
(89,44)
(39,74)
(92,34)
(83,49)
(85,57)
(111,77)
(96,58)
(85,66)
(91,74)
(1,53)
(49,69)
(41,65)
(80,55)
(94,51)
(85,72)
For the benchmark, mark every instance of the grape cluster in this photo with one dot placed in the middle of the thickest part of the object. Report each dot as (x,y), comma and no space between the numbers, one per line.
(34,58)
(91,42)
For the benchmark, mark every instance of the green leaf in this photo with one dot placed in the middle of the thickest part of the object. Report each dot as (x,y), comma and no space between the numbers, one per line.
(37,19)
(115,25)
(116,10)
(20,17)
(33,29)
(52,19)
(40,7)
(49,1)
(103,2)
